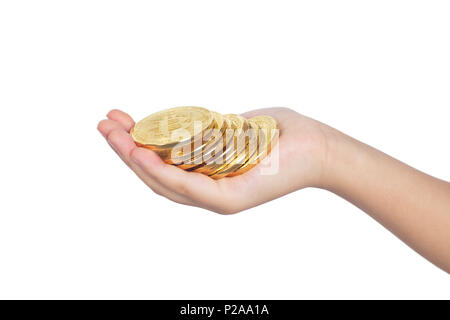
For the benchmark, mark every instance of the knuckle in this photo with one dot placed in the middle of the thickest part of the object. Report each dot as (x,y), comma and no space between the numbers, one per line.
(221,211)
(182,188)
(226,211)
(113,134)
(227,208)
(156,191)
(180,201)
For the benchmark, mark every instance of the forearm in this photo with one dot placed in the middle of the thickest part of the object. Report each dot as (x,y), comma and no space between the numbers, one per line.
(411,204)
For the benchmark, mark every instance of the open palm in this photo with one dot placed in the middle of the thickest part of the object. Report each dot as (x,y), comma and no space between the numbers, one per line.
(302,151)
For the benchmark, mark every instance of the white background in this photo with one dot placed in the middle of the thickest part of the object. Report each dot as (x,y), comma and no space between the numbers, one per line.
(76,223)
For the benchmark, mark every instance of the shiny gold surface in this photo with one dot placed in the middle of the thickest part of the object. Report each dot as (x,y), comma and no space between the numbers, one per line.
(214,144)
(167,128)
(242,155)
(235,142)
(267,137)
(196,139)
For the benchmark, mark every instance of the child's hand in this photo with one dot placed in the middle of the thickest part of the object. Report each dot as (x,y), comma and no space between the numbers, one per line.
(413,205)
(302,157)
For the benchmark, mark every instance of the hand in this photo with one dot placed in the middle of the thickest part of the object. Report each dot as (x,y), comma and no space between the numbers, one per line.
(411,204)
(302,158)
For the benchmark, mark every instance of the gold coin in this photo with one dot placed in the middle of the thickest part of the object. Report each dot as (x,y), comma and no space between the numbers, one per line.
(234,137)
(238,123)
(215,144)
(182,153)
(199,140)
(267,136)
(243,156)
(269,124)
(235,142)
(165,129)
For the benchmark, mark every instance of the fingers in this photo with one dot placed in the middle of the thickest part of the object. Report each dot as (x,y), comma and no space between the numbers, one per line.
(123,144)
(106,126)
(122,118)
(166,180)
(201,189)
(116,119)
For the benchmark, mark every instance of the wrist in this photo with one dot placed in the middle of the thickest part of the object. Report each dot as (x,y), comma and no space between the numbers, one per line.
(337,157)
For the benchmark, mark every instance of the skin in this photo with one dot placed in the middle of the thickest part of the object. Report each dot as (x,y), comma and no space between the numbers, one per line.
(412,205)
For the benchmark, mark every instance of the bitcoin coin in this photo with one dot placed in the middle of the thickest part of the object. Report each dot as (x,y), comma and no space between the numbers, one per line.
(235,138)
(269,126)
(215,143)
(199,140)
(267,136)
(241,157)
(167,128)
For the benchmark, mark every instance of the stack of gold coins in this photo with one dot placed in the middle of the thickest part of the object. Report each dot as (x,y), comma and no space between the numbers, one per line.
(199,140)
